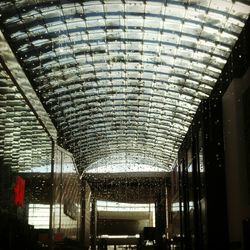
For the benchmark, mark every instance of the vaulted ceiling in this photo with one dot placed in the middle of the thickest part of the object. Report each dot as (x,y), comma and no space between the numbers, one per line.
(122,79)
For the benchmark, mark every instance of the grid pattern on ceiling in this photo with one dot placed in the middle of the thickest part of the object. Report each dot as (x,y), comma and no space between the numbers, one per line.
(23,142)
(123,76)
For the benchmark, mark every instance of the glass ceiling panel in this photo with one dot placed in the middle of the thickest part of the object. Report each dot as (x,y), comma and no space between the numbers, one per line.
(122,77)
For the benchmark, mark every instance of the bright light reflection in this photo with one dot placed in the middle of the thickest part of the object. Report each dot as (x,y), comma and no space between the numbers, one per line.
(119,236)
(38,216)
(128,167)
(176,206)
(117,206)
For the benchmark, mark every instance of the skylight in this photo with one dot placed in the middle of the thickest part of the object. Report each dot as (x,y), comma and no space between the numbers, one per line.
(122,76)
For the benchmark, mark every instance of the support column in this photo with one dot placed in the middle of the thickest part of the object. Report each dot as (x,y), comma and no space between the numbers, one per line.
(93,223)
(169,214)
(86,216)
(160,212)
(51,242)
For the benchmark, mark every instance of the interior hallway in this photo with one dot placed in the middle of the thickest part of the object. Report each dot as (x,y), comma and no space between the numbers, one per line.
(124,124)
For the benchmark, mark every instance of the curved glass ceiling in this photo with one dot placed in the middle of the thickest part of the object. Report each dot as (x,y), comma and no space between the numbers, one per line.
(122,76)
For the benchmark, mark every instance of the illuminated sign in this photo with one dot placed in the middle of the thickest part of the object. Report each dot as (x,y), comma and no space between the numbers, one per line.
(19,191)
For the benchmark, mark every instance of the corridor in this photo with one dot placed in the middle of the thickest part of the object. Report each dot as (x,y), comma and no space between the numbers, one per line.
(124,124)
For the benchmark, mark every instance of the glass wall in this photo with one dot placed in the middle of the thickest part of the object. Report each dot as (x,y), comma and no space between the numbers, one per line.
(25,167)
(28,172)
(66,209)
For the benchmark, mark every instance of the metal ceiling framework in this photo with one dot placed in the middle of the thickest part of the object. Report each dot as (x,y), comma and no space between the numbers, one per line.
(122,77)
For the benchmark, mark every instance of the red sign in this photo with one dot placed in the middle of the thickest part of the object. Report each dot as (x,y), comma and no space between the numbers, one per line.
(58,237)
(19,191)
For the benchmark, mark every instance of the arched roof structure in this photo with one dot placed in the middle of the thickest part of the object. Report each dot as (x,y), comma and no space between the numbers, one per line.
(122,77)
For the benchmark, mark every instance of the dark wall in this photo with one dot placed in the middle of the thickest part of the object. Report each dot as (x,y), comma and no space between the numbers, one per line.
(202,191)
(217,185)
(120,227)
(236,110)
(123,223)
